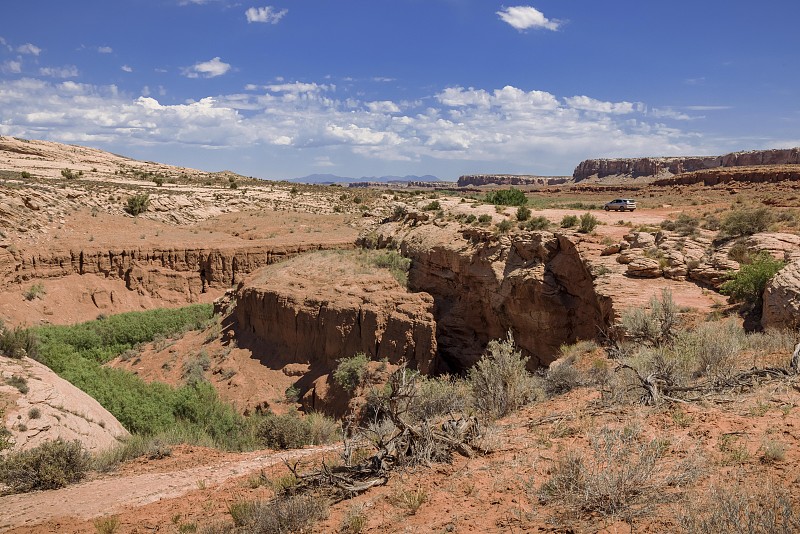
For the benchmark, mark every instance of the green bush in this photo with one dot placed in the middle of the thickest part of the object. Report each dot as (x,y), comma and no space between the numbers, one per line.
(500,381)
(745,222)
(507,197)
(537,223)
(18,342)
(485,219)
(76,353)
(392,260)
(523,213)
(432,206)
(35,291)
(747,285)
(5,435)
(291,431)
(350,372)
(684,225)
(504,226)
(588,222)
(282,515)
(52,465)
(26,175)
(137,204)
(68,174)
(568,221)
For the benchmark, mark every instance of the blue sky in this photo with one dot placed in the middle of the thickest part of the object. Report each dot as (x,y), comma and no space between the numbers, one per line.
(372,87)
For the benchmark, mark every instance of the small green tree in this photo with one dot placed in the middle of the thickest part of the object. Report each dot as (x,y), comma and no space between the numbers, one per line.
(588,222)
(748,284)
(137,204)
(568,221)
(523,213)
(350,372)
(746,222)
(507,197)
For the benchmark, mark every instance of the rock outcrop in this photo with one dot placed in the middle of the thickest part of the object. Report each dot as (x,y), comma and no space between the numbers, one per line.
(535,284)
(322,307)
(666,167)
(509,179)
(781,308)
(52,408)
(150,271)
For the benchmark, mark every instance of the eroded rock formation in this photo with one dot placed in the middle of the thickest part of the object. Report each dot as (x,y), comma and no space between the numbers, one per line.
(668,166)
(534,284)
(782,298)
(323,307)
(149,271)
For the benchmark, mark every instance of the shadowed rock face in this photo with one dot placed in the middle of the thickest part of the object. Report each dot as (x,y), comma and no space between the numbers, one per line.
(782,298)
(534,284)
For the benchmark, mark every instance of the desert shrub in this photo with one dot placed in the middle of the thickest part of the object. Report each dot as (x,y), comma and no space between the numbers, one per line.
(158,180)
(740,253)
(68,174)
(568,221)
(747,285)
(711,348)
(561,378)
(656,326)
(470,219)
(291,431)
(5,435)
(537,223)
(440,396)
(619,477)
(433,205)
(52,465)
(484,219)
(25,175)
(19,382)
(588,223)
(137,204)
(684,224)
(18,342)
(36,291)
(500,381)
(194,368)
(507,197)
(354,520)
(282,515)
(106,525)
(762,509)
(744,222)
(504,226)
(350,372)
(523,213)
(396,263)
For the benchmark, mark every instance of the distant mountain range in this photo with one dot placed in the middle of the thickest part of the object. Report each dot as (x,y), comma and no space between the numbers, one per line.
(333,179)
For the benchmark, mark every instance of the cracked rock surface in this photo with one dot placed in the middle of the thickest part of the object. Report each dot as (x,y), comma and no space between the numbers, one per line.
(52,408)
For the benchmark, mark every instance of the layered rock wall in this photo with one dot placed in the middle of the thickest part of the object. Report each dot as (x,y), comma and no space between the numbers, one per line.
(664,167)
(147,270)
(319,309)
(535,285)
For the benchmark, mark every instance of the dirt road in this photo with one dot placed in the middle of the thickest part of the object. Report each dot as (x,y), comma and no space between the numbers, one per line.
(110,494)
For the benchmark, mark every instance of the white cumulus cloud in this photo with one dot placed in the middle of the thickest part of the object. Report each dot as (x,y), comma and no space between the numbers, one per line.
(105,49)
(586,103)
(30,49)
(527,17)
(207,69)
(266,14)
(67,71)
(11,67)
(126,68)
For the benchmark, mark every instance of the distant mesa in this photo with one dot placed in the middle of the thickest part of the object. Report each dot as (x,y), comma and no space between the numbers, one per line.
(510,179)
(327,179)
(663,168)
